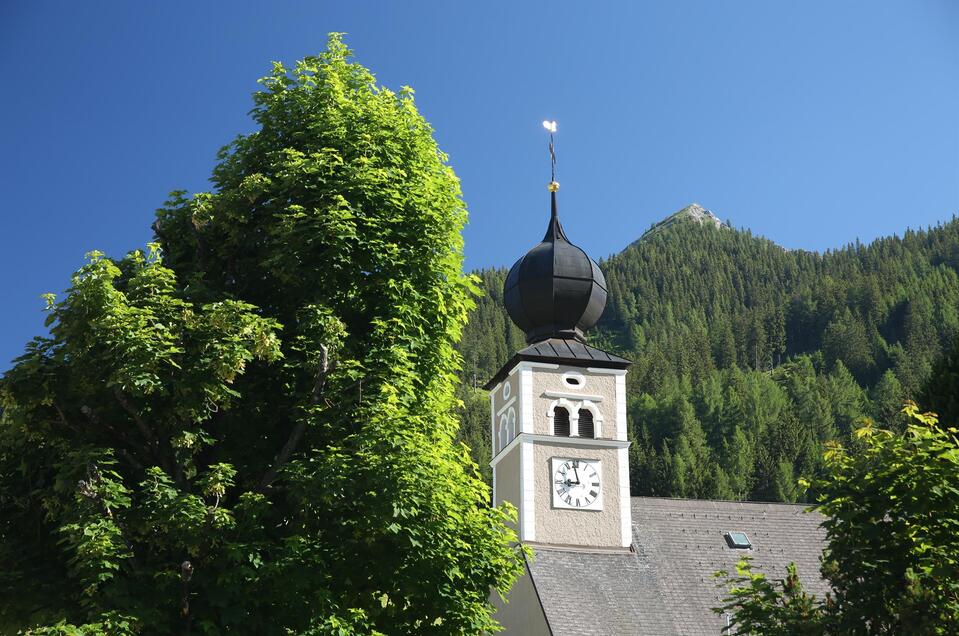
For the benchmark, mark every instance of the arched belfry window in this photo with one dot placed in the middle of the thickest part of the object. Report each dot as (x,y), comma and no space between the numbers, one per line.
(586,428)
(561,422)
(504,435)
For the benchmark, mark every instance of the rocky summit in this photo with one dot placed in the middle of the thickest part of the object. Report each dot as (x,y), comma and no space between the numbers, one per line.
(693,212)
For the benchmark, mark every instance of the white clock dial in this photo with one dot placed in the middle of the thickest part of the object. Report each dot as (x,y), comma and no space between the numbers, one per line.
(577,483)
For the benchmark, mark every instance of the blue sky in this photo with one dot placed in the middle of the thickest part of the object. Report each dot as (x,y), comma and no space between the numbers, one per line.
(812,123)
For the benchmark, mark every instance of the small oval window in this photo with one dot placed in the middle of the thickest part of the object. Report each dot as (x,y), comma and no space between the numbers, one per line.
(507,389)
(574,380)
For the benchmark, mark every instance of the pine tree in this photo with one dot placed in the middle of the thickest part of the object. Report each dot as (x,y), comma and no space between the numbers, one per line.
(887,398)
(786,486)
(737,459)
(941,393)
(846,398)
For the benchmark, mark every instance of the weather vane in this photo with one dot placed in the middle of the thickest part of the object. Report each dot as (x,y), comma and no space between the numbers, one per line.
(553,184)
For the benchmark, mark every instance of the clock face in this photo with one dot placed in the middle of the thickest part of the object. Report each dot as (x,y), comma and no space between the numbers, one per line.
(577,484)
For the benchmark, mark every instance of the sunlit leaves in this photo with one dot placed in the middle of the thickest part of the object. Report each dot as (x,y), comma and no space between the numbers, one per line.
(273,384)
(892,555)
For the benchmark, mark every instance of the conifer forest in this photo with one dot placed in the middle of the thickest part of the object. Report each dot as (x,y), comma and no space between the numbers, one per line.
(747,357)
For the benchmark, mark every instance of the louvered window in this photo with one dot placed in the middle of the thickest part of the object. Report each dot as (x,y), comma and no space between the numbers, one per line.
(561,422)
(586,428)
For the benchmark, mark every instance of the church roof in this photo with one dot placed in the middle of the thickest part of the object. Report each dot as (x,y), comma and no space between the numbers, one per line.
(665,586)
(560,351)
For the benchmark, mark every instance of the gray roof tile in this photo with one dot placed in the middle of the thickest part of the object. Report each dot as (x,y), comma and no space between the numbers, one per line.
(666,586)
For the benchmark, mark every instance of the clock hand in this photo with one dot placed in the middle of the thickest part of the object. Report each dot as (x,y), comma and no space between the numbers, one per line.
(577,475)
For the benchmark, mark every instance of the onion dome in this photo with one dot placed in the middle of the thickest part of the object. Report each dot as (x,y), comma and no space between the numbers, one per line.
(555,290)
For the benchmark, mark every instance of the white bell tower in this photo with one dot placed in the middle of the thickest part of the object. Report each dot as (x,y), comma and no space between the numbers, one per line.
(558,407)
(558,415)
(560,451)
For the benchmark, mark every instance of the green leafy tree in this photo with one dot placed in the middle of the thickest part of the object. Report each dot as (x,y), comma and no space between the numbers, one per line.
(250,429)
(891,513)
(763,608)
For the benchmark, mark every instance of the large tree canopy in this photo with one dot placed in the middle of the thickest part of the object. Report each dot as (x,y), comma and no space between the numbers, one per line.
(249,429)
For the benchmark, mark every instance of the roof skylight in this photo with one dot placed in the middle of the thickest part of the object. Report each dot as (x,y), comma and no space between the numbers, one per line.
(738,540)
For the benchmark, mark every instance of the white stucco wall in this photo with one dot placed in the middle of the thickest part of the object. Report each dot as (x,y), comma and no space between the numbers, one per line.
(522,473)
(522,615)
(550,381)
(502,394)
(577,527)
(507,481)
(504,409)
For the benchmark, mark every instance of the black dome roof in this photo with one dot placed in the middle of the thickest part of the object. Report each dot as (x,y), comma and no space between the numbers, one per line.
(555,290)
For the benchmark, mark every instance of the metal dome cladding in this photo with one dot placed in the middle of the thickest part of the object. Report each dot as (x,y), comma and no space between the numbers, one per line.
(555,290)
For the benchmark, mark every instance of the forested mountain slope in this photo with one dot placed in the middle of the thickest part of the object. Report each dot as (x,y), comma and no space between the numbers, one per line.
(747,356)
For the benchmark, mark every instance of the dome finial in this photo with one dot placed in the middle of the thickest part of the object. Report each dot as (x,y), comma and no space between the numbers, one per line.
(553,183)
(555,230)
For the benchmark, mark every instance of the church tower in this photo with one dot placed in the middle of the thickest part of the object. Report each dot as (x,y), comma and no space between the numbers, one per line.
(558,407)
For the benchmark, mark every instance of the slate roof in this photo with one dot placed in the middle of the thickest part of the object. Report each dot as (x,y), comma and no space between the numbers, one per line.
(561,351)
(665,586)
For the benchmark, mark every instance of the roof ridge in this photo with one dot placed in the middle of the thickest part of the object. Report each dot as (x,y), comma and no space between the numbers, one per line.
(733,501)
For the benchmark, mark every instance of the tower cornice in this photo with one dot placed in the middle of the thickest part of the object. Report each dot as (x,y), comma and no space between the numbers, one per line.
(560,351)
(585,442)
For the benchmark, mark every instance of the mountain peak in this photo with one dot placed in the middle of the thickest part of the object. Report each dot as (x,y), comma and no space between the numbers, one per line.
(699,214)
(692,212)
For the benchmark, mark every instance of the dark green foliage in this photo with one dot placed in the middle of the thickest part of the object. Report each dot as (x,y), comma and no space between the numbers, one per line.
(767,352)
(941,393)
(763,608)
(891,508)
(251,429)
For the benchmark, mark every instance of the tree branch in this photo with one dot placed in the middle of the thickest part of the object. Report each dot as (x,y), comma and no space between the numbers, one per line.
(130,459)
(63,419)
(148,435)
(296,434)
(97,421)
(152,442)
(186,573)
